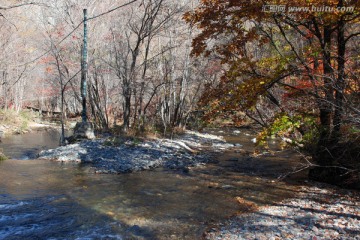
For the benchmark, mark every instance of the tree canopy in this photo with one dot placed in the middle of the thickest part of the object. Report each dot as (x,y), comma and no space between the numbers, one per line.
(296,59)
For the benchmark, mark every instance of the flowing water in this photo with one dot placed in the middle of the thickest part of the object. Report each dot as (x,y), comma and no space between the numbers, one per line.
(27,146)
(49,200)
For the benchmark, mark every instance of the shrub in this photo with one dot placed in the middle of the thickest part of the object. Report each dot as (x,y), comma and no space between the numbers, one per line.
(298,130)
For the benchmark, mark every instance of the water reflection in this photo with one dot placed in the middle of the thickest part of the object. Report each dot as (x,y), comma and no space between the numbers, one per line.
(145,205)
(42,199)
(27,146)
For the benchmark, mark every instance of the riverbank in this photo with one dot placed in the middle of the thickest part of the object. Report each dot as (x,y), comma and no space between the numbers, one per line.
(12,122)
(315,212)
(318,211)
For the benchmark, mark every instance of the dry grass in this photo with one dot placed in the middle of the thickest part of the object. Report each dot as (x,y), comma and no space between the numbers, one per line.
(16,121)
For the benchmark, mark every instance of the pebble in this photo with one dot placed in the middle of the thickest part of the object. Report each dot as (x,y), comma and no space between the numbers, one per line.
(172,154)
(304,217)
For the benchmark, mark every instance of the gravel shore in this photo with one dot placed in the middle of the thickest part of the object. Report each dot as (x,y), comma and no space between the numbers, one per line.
(319,212)
(185,151)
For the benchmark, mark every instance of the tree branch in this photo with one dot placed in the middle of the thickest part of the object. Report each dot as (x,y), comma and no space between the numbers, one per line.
(351,36)
(19,5)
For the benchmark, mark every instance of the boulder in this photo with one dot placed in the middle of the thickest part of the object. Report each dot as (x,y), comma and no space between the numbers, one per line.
(84,130)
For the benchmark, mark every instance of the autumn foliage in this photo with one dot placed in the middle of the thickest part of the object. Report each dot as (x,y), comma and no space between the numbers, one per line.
(292,62)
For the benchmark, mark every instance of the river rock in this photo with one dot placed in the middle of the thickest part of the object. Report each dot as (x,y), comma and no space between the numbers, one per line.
(311,215)
(84,130)
(180,153)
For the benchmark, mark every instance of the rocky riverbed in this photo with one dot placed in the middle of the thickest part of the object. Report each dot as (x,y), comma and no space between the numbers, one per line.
(318,212)
(108,155)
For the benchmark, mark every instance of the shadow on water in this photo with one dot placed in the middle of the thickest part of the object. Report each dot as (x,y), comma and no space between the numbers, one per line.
(63,201)
(49,200)
(60,217)
(273,163)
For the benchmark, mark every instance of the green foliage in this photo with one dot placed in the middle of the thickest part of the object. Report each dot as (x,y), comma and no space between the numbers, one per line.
(26,115)
(24,125)
(120,140)
(2,156)
(298,130)
(354,130)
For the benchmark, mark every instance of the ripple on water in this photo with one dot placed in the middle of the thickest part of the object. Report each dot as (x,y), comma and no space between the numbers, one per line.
(52,218)
(49,200)
(12,205)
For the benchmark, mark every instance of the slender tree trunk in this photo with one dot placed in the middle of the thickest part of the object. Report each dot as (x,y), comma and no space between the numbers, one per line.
(326,103)
(62,95)
(62,140)
(126,107)
(142,84)
(340,83)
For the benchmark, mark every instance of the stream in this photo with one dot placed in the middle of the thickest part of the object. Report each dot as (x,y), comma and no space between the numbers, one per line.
(27,146)
(42,199)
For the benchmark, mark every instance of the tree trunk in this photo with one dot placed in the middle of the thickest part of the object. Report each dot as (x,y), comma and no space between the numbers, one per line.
(126,107)
(340,82)
(326,104)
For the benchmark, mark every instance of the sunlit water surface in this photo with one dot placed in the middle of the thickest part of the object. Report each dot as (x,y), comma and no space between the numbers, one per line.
(48,200)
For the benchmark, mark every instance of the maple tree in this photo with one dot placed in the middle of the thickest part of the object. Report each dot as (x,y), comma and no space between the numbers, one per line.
(298,63)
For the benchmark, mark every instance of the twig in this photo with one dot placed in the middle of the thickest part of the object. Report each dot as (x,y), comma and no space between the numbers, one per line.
(309,164)
(20,5)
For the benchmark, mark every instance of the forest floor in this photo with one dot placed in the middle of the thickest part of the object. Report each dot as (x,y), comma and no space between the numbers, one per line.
(318,211)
